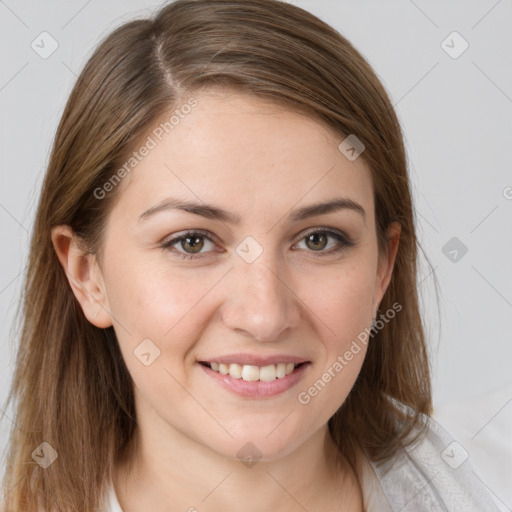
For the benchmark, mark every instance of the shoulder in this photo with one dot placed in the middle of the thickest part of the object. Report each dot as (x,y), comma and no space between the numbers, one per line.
(432,474)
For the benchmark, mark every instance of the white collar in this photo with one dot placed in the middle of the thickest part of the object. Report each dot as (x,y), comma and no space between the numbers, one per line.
(374,499)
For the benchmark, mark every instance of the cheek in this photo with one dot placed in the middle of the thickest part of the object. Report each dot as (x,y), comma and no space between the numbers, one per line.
(343,312)
(158,302)
(342,302)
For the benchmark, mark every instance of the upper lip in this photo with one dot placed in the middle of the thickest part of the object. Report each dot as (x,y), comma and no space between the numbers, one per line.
(254,359)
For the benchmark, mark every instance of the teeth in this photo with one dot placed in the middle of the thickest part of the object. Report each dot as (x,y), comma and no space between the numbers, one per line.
(252,373)
(268,373)
(235,371)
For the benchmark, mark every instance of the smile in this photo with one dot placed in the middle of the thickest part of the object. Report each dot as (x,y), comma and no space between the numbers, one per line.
(252,373)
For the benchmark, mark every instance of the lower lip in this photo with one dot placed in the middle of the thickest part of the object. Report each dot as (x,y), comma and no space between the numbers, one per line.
(257,389)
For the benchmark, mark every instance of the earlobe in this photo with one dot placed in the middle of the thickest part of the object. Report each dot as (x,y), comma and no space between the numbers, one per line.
(83,274)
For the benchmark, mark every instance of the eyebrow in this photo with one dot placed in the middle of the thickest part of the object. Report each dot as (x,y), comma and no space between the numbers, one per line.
(216,213)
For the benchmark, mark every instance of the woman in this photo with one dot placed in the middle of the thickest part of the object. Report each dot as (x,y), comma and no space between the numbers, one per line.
(221,308)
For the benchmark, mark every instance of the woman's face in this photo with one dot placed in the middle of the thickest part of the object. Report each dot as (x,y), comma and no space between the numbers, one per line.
(265,280)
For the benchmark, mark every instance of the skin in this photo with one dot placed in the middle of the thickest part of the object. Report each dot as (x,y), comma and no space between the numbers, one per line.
(260,161)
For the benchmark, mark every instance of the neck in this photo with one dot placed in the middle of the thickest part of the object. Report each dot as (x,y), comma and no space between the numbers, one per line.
(171,470)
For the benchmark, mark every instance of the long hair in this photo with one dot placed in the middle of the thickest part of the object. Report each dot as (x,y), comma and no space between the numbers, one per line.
(71,388)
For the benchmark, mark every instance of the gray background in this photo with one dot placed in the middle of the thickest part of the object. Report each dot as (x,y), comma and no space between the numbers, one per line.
(457,118)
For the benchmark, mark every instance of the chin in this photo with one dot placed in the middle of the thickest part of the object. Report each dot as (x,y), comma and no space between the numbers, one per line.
(255,446)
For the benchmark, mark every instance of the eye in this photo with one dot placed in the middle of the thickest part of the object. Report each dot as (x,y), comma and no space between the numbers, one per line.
(189,244)
(318,240)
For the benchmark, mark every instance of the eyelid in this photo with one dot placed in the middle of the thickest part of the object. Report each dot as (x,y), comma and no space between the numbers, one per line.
(346,241)
(187,232)
(325,229)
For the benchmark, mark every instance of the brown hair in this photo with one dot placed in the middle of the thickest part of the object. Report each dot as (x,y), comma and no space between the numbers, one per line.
(71,386)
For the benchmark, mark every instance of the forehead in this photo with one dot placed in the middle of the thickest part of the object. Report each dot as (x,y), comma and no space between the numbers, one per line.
(239,150)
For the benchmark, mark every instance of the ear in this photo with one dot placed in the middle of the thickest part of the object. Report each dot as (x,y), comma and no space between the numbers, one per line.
(386,262)
(84,275)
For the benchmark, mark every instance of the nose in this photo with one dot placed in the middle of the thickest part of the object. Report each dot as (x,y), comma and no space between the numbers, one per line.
(261,301)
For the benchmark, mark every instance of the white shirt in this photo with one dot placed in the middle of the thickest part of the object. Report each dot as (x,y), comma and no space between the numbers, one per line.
(483,425)
(434,475)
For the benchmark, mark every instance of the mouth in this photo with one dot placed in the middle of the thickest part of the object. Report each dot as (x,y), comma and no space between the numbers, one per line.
(253,373)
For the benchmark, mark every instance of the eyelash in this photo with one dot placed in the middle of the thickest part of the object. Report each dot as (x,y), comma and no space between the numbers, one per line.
(346,243)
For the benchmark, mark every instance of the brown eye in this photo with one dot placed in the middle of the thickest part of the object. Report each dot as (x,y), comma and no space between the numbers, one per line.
(190,245)
(317,241)
(195,243)
(326,242)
